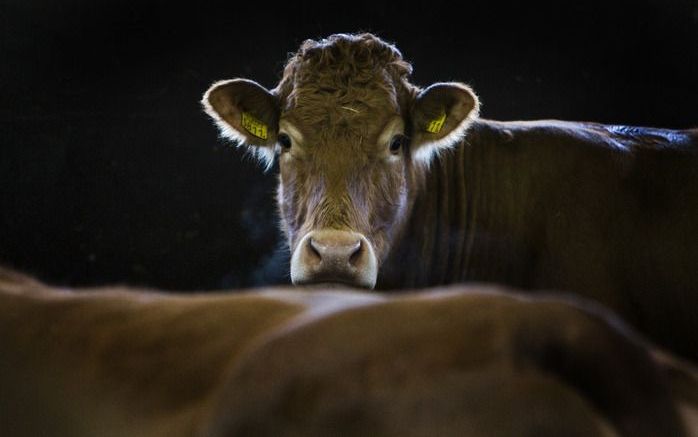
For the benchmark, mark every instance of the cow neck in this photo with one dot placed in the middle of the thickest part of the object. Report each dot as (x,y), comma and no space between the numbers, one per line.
(464,219)
(445,211)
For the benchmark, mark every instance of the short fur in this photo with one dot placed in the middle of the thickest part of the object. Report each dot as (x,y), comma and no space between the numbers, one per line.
(471,361)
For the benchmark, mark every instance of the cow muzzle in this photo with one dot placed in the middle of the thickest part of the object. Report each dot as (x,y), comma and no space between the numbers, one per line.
(334,256)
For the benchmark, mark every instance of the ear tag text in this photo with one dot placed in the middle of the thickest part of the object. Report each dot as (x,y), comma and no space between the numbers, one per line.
(435,126)
(254,126)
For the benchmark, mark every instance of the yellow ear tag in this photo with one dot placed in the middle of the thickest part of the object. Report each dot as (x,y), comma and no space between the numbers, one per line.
(435,126)
(254,126)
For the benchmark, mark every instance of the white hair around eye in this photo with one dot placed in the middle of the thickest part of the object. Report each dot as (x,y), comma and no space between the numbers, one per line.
(395,126)
(290,142)
(289,129)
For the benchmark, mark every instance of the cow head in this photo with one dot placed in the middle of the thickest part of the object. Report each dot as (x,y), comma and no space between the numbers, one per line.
(349,131)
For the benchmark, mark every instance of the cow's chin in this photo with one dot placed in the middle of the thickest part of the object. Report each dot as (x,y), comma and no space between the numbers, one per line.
(338,257)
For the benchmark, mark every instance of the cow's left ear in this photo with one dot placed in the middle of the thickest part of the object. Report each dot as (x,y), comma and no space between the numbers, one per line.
(245,112)
(440,116)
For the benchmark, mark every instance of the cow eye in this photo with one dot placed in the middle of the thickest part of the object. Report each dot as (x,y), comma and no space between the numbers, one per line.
(396,144)
(284,141)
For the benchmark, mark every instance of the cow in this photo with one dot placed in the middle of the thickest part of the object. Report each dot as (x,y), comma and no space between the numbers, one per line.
(386,184)
(464,360)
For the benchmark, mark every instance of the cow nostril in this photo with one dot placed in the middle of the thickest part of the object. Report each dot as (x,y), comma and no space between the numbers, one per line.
(356,254)
(314,250)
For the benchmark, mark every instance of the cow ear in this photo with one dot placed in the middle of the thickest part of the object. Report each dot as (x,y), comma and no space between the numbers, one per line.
(245,112)
(441,114)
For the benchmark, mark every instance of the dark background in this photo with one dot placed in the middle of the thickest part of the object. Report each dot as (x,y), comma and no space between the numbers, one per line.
(110,172)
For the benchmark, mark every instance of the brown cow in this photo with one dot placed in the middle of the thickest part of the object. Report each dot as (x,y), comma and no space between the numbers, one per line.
(385,183)
(462,361)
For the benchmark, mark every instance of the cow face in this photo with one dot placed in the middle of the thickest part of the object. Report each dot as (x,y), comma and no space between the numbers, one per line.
(349,131)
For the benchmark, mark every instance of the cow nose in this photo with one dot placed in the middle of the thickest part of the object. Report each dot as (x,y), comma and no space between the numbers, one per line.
(334,256)
(342,254)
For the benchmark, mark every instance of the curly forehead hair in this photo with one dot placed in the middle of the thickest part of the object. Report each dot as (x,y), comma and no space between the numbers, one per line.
(344,64)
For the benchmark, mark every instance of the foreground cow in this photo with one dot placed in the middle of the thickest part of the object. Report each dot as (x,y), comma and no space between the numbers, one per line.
(384,183)
(475,362)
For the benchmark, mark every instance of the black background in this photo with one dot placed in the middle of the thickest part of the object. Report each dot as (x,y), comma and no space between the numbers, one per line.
(110,172)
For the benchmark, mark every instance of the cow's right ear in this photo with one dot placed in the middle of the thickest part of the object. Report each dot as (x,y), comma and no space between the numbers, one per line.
(245,112)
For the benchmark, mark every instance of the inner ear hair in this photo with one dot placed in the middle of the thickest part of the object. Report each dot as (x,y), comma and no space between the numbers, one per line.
(441,115)
(455,101)
(244,111)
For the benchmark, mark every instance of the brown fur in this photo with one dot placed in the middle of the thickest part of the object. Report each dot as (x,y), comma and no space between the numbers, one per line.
(341,93)
(461,361)
(324,189)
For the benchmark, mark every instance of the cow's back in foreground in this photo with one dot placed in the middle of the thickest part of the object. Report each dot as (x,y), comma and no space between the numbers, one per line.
(462,361)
